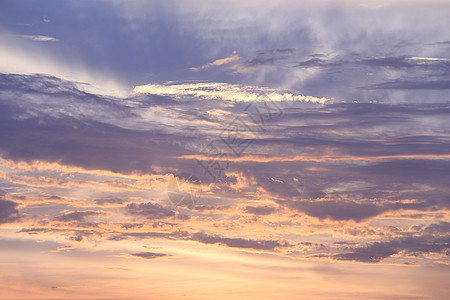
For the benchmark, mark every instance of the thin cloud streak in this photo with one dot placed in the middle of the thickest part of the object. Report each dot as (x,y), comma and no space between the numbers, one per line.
(40,38)
(217,62)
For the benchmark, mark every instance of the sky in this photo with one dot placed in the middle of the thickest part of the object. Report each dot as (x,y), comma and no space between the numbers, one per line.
(224,149)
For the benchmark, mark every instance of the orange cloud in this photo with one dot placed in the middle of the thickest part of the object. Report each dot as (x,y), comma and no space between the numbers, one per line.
(217,62)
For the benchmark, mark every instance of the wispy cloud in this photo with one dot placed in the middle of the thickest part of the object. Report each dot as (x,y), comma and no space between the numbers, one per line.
(413,85)
(39,38)
(217,62)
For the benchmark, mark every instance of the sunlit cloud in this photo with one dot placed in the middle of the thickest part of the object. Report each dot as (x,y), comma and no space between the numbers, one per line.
(217,62)
(224,91)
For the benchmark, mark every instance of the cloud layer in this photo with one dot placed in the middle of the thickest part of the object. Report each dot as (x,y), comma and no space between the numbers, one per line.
(231,149)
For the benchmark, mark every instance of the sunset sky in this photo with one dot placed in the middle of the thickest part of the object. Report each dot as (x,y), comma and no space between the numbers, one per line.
(225,149)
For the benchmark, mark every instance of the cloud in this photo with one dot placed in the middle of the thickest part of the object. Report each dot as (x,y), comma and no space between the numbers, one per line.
(149,255)
(55,121)
(363,181)
(313,63)
(417,245)
(439,65)
(70,120)
(62,287)
(187,38)
(260,158)
(237,242)
(76,216)
(181,235)
(260,210)
(106,201)
(40,38)
(8,211)
(151,211)
(337,210)
(264,57)
(77,238)
(413,85)
(224,91)
(378,78)
(443,43)
(321,163)
(217,62)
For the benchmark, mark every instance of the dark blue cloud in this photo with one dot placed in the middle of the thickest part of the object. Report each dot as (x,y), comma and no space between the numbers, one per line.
(8,211)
